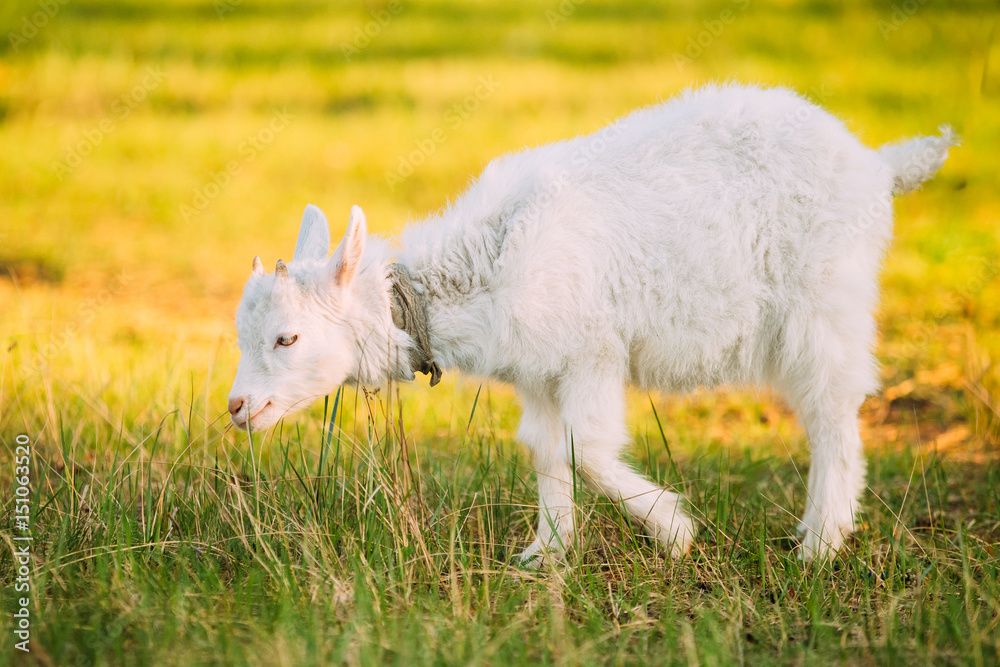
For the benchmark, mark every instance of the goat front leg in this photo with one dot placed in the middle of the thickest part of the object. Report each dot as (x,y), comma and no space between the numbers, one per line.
(542,431)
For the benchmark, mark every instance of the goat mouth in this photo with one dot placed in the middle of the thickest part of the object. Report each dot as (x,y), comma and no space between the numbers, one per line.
(249,420)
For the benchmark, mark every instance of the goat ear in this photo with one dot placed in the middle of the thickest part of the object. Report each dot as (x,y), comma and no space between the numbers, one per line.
(314,235)
(345,261)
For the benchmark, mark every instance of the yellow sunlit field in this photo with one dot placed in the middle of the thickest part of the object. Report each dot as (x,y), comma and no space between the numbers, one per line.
(148,150)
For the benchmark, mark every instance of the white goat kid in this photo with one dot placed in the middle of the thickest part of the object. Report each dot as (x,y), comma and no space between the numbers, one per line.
(731,236)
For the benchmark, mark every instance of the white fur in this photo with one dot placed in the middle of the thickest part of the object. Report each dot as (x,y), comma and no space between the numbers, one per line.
(731,236)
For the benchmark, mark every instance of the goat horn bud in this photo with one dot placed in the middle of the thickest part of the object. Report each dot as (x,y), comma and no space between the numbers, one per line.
(281,270)
(258,266)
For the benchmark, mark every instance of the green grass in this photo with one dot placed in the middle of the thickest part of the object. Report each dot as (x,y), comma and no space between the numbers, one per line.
(386,534)
(289,552)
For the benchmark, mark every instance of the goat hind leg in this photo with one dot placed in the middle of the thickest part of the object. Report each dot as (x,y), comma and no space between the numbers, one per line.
(836,477)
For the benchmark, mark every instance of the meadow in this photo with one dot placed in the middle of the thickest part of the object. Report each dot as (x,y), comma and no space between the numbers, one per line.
(149,150)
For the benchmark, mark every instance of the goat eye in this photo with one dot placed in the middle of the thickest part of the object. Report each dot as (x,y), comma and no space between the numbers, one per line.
(285,341)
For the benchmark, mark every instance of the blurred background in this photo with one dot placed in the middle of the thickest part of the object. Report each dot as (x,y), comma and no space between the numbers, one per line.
(150,150)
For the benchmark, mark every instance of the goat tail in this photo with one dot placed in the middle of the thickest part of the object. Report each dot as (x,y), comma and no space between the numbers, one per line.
(917,160)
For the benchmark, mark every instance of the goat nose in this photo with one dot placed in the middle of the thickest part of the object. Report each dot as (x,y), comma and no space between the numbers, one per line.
(235,405)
